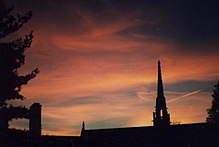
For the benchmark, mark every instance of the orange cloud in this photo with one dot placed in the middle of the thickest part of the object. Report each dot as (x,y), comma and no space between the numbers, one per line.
(100,74)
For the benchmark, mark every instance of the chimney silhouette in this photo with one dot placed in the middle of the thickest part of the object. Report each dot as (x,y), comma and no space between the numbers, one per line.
(35,120)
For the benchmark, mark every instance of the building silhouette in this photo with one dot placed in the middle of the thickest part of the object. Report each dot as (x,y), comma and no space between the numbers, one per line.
(161,134)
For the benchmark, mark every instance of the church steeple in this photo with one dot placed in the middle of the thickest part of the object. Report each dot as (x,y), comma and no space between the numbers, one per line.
(161,118)
(83,126)
(160,101)
(83,129)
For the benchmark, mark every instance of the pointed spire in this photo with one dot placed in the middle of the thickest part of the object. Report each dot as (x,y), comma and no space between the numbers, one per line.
(160,102)
(83,129)
(83,126)
(160,92)
(161,118)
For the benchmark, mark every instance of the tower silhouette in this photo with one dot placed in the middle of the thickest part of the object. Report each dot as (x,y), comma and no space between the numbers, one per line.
(35,120)
(161,118)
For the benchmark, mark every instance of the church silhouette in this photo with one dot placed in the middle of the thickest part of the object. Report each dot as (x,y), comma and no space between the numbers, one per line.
(161,134)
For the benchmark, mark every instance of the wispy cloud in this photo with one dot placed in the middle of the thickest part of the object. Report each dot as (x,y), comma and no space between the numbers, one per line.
(98,62)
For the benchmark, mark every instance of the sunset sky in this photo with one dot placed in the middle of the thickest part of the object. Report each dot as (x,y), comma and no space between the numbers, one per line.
(98,61)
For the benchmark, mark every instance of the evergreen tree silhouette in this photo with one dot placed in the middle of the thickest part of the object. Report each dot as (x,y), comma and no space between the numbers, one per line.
(11,58)
(213,112)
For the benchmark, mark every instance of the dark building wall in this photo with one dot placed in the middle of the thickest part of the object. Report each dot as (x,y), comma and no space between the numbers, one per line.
(193,135)
(172,136)
(35,120)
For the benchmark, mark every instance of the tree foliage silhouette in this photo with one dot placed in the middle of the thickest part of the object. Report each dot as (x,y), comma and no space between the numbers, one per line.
(213,112)
(11,59)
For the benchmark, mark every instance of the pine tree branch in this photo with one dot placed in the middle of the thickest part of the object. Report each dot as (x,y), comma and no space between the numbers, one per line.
(23,80)
(213,112)
(9,23)
(17,112)
(12,53)
(4,10)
